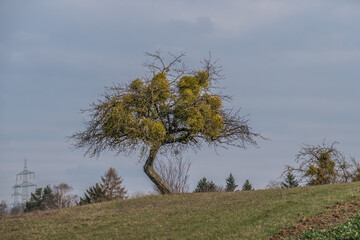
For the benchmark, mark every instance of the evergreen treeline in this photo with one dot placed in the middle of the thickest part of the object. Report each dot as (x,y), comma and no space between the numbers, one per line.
(205,185)
(59,196)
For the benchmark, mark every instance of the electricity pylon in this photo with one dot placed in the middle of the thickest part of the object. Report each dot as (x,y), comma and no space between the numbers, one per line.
(23,187)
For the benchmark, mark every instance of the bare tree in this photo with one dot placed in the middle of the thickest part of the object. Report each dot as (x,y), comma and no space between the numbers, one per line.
(355,170)
(169,110)
(174,173)
(3,208)
(346,170)
(63,197)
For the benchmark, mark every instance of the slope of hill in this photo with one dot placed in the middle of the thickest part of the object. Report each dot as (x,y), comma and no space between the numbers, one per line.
(237,215)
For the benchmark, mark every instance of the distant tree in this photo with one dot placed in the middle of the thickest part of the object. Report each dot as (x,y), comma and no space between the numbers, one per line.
(355,175)
(3,208)
(16,209)
(63,197)
(86,199)
(202,185)
(111,185)
(42,199)
(289,181)
(206,186)
(171,109)
(140,194)
(35,202)
(94,194)
(48,198)
(322,164)
(247,186)
(230,184)
(175,174)
(273,184)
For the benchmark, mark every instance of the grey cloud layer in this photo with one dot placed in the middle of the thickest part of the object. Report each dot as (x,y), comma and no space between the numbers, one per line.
(293,65)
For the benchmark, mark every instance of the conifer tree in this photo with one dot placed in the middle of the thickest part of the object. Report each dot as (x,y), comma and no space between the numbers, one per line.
(35,202)
(111,185)
(290,181)
(93,195)
(230,184)
(42,199)
(49,201)
(206,186)
(247,186)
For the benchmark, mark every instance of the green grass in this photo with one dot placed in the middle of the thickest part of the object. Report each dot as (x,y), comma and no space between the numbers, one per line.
(238,215)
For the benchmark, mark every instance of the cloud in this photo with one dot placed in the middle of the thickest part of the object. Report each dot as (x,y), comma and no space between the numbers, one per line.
(332,57)
(292,65)
(29,37)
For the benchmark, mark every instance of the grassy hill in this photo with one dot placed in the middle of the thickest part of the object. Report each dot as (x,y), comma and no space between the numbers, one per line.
(237,215)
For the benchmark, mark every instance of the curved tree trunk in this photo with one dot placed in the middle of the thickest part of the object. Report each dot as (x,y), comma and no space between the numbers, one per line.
(150,172)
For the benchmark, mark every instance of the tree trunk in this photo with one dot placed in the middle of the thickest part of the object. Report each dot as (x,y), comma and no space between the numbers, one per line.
(150,172)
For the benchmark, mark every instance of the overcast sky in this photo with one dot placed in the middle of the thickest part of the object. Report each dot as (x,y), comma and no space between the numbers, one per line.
(293,66)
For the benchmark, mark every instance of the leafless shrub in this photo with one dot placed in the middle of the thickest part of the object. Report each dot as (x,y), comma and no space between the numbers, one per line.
(273,184)
(3,208)
(174,173)
(356,170)
(141,194)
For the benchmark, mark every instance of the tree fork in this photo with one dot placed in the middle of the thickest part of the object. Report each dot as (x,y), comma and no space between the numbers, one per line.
(151,173)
